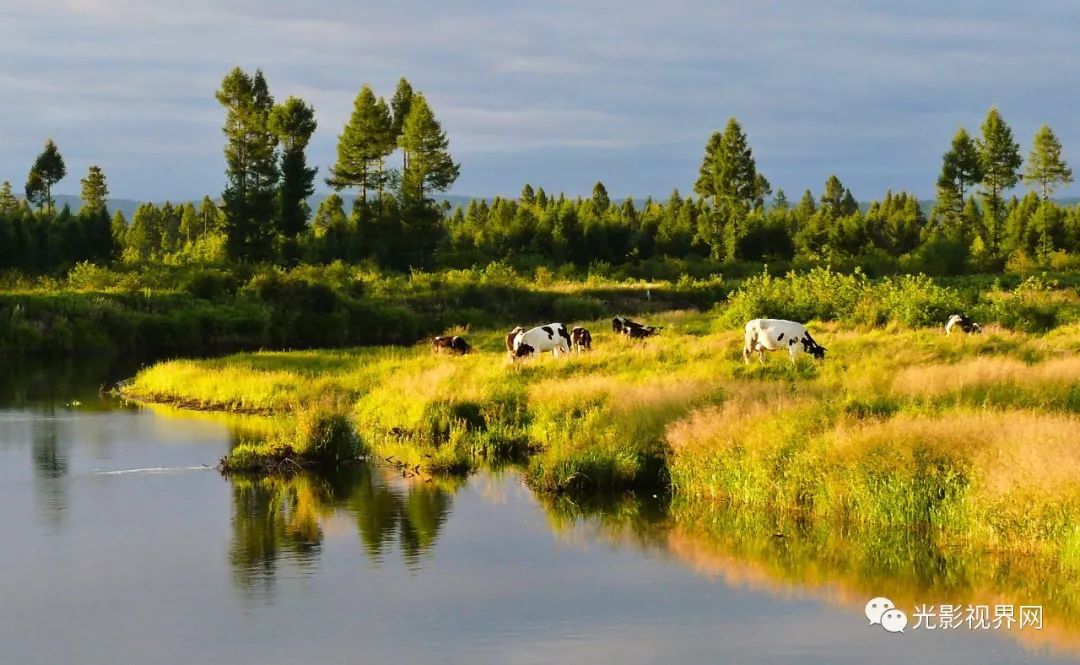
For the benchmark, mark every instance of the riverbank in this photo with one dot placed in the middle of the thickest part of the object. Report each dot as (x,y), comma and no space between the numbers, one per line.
(162,311)
(964,438)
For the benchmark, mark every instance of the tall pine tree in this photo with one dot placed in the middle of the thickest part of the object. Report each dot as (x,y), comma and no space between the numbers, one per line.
(293,123)
(251,166)
(363,146)
(999,157)
(428,166)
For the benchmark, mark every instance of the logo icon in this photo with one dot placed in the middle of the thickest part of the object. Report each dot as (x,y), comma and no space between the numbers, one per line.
(883,612)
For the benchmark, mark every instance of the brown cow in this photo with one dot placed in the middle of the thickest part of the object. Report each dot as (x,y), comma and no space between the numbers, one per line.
(510,339)
(580,339)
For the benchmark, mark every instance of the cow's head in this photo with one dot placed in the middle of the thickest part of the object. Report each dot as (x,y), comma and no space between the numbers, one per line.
(818,352)
(523,350)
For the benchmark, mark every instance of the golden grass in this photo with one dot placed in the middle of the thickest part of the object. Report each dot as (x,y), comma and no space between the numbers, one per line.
(1008,451)
(938,380)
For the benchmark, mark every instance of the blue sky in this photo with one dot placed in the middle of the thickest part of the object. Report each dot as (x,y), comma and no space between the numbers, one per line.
(559,94)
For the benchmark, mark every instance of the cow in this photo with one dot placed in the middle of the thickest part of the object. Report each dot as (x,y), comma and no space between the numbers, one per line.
(641,331)
(633,329)
(619,323)
(453,344)
(553,337)
(580,339)
(510,336)
(966,323)
(773,334)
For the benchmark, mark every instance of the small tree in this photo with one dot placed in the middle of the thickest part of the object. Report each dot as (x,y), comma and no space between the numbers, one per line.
(48,169)
(95,191)
(1045,166)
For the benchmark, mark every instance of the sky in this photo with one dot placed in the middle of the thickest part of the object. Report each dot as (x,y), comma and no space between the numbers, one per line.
(557,94)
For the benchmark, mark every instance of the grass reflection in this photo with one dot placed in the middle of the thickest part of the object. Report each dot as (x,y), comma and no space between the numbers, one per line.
(786,558)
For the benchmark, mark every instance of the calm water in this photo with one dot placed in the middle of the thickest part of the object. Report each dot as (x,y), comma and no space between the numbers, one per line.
(120,547)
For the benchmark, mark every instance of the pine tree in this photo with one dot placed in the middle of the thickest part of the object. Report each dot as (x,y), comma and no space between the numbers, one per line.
(832,198)
(93,217)
(293,123)
(728,173)
(400,104)
(251,166)
(48,169)
(961,166)
(363,145)
(999,157)
(600,199)
(9,204)
(95,191)
(728,177)
(428,165)
(780,201)
(1045,165)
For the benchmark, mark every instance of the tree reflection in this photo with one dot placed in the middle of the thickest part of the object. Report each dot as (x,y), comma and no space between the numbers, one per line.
(280,519)
(50,469)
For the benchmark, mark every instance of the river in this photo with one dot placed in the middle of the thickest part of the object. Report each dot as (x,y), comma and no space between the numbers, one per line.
(123,545)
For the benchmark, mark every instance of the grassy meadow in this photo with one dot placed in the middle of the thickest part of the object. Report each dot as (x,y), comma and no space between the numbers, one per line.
(966,439)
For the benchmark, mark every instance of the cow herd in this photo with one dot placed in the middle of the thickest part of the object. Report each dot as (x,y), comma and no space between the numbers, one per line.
(760,335)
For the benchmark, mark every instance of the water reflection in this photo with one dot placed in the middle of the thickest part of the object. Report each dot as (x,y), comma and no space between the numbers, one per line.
(50,470)
(787,559)
(281,519)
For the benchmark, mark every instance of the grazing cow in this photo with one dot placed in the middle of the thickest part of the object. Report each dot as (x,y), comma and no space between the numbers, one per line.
(454,344)
(641,331)
(633,329)
(553,337)
(580,339)
(966,323)
(510,339)
(772,334)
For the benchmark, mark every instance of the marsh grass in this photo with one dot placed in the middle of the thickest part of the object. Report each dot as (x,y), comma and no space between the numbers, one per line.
(317,435)
(899,429)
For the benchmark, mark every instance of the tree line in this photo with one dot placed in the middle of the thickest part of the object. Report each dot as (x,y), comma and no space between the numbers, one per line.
(733,214)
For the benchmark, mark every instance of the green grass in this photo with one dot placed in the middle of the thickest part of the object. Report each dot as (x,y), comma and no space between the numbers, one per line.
(958,437)
(316,435)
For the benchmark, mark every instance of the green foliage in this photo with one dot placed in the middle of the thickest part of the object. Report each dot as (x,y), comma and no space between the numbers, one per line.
(428,166)
(48,169)
(999,157)
(251,165)
(293,123)
(363,146)
(1045,166)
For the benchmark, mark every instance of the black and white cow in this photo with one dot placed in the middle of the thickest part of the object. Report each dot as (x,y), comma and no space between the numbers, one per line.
(580,339)
(453,344)
(510,336)
(773,334)
(964,322)
(553,337)
(633,329)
